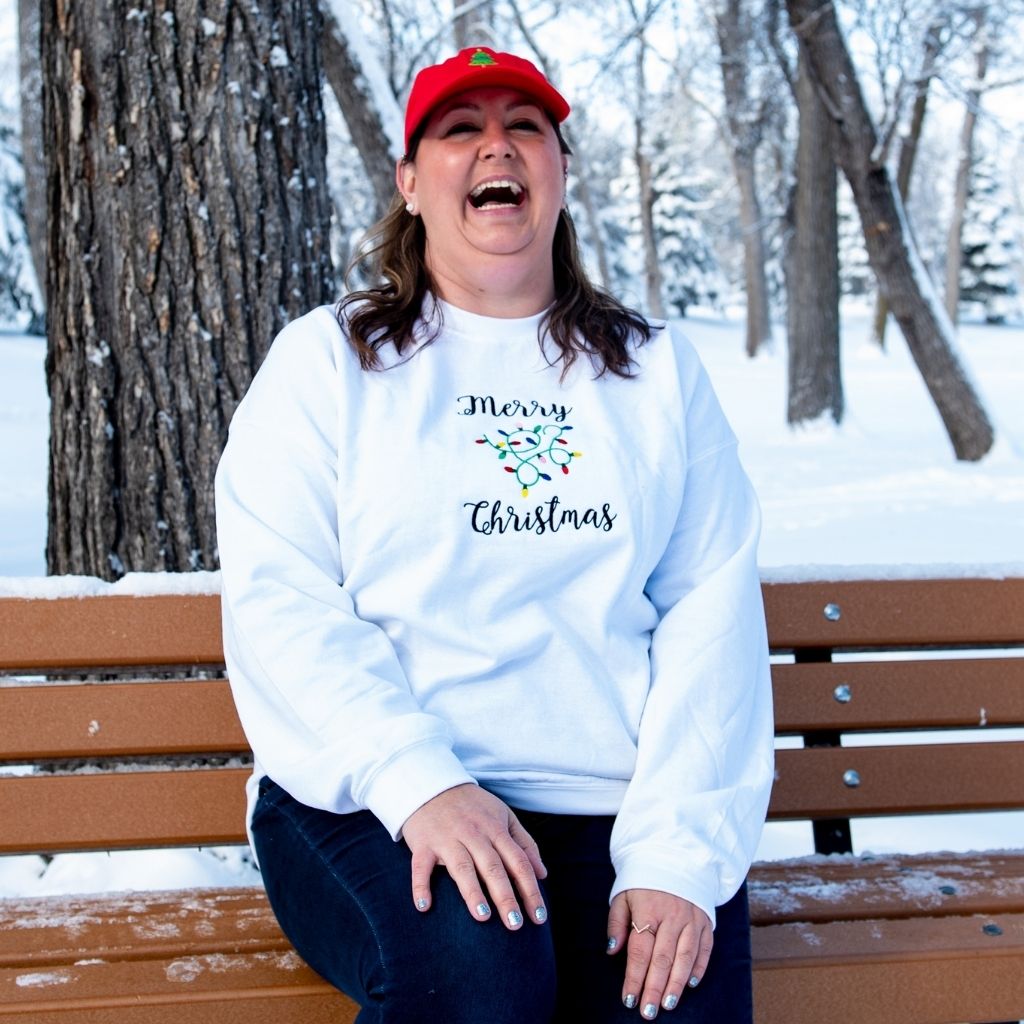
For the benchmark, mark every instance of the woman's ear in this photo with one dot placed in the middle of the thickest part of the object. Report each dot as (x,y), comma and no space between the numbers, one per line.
(405,179)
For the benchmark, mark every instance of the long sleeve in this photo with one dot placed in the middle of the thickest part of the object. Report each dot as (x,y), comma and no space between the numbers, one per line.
(321,693)
(694,809)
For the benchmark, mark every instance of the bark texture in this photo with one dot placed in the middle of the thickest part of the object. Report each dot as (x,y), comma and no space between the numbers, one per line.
(901,278)
(745,127)
(188,221)
(815,385)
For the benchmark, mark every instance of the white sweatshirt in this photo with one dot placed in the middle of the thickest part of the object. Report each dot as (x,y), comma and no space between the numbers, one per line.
(460,569)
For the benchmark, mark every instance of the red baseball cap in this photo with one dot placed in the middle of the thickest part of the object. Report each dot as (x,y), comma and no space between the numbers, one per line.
(476,67)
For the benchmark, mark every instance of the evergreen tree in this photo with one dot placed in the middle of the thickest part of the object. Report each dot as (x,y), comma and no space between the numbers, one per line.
(990,248)
(690,272)
(20,300)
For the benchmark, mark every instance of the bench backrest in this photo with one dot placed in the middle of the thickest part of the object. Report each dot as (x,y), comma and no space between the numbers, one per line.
(138,760)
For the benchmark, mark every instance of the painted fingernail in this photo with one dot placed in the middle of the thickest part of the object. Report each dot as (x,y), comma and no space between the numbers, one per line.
(671,1002)
(515,919)
(540,915)
(613,944)
(649,1011)
(482,910)
(694,981)
(629,1002)
(422,903)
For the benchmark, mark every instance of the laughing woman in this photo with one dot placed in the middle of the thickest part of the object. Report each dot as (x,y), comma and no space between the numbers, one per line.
(492,613)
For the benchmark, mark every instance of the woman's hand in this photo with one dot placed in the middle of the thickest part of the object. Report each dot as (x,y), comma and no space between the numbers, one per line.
(481,843)
(669,953)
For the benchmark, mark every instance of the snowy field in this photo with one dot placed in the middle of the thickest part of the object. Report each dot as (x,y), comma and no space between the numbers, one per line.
(883,490)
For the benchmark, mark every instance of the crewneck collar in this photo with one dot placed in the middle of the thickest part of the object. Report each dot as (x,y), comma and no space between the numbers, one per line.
(461,321)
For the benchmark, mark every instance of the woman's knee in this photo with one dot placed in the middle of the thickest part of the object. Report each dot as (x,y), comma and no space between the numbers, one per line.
(341,890)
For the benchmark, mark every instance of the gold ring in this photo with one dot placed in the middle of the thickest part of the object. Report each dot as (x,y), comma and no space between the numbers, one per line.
(640,931)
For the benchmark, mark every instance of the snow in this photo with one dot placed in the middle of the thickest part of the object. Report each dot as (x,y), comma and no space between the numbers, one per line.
(879,496)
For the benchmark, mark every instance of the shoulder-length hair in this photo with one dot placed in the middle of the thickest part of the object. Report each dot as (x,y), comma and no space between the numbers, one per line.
(583,320)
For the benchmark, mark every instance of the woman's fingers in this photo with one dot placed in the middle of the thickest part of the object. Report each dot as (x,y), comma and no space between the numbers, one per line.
(486,851)
(668,944)
(618,923)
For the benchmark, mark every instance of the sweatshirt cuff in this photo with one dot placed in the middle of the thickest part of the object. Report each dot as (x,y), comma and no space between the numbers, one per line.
(649,870)
(409,780)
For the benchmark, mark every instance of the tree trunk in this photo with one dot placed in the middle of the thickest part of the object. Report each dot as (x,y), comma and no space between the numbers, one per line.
(890,246)
(745,136)
(815,383)
(475,26)
(652,268)
(369,107)
(32,156)
(759,329)
(908,151)
(188,221)
(954,241)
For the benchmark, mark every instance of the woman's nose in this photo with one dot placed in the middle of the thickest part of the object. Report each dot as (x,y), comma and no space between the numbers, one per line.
(495,143)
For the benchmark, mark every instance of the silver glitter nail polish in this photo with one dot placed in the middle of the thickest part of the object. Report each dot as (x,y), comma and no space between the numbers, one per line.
(482,910)
(515,919)
(629,1002)
(671,1002)
(540,915)
(613,943)
(649,1011)
(693,982)
(422,903)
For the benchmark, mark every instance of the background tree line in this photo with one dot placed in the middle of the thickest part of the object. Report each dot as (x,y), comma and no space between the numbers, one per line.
(187,175)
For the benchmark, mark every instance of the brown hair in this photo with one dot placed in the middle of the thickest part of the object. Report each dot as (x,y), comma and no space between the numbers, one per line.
(583,319)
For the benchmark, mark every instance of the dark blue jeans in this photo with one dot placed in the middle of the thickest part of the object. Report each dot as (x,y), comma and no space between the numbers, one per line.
(340,887)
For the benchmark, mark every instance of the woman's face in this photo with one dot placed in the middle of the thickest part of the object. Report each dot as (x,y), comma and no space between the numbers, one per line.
(488,179)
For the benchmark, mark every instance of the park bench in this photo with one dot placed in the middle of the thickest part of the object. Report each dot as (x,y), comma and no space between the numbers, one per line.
(146,752)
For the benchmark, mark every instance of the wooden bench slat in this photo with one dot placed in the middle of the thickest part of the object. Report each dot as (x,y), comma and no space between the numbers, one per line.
(246,988)
(942,612)
(969,692)
(891,886)
(44,931)
(809,783)
(925,970)
(110,719)
(124,810)
(108,632)
(161,954)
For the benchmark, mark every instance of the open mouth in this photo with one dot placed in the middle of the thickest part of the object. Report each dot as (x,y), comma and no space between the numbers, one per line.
(494,194)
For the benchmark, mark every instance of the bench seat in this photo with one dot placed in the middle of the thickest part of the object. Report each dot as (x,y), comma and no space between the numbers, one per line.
(148,753)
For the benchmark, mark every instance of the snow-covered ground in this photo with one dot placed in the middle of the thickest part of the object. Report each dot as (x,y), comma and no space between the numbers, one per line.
(881,490)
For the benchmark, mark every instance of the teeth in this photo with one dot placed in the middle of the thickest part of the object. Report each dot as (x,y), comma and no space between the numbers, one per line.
(513,186)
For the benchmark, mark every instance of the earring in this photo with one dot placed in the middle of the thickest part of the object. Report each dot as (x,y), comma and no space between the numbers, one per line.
(410,208)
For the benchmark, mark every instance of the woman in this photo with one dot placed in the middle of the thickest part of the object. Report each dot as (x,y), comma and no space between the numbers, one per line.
(491,610)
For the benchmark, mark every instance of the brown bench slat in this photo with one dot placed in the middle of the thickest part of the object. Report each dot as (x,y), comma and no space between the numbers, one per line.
(969,692)
(110,719)
(245,988)
(896,613)
(898,779)
(159,953)
(925,970)
(107,632)
(45,931)
(124,810)
(891,886)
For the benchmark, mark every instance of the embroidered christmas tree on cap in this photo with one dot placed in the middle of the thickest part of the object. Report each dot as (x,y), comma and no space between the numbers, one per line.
(481,60)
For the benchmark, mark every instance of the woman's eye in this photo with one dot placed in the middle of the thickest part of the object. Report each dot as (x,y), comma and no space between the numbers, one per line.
(529,126)
(459,127)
